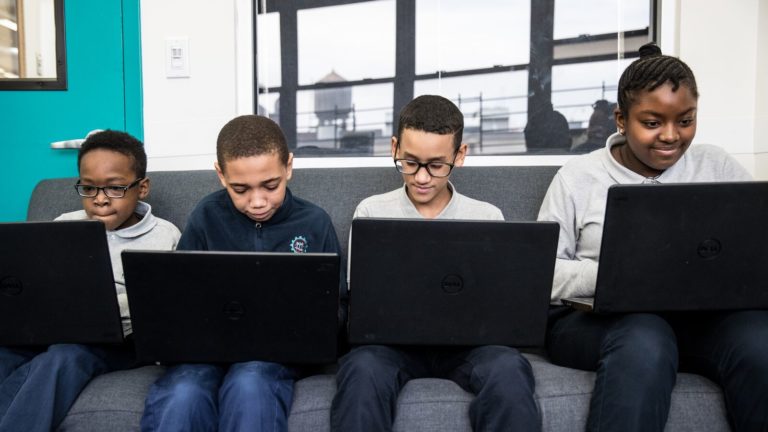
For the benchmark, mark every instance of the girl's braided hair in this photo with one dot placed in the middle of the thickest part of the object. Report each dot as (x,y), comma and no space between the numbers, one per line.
(650,71)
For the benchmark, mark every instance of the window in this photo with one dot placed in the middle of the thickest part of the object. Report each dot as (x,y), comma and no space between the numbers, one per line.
(32,46)
(335,73)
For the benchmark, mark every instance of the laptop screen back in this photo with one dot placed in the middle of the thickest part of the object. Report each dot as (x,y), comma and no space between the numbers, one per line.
(233,306)
(450,282)
(677,247)
(56,284)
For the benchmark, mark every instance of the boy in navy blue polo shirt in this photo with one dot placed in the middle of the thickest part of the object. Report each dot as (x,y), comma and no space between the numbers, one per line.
(254,212)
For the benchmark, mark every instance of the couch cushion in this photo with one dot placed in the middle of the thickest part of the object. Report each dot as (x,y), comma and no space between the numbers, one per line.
(52,197)
(433,405)
(517,191)
(112,402)
(311,407)
(424,405)
(564,394)
(175,193)
(115,402)
(697,405)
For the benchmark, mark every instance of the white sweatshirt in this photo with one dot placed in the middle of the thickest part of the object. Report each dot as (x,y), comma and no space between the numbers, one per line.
(577,196)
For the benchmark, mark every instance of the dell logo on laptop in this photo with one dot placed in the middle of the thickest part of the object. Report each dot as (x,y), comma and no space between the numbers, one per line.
(234,310)
(11,286)
(709,248)
(452,284)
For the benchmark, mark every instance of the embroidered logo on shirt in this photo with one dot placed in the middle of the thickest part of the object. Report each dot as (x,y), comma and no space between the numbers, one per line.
(299,245)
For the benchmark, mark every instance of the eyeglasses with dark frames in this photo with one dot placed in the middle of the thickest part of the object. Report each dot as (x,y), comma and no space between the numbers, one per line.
(435,169)
(111,191)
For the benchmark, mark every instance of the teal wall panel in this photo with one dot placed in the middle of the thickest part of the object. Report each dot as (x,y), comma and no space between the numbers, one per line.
(96,98)
(134,107)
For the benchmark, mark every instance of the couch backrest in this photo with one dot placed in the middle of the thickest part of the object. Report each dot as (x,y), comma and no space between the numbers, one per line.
(516,190)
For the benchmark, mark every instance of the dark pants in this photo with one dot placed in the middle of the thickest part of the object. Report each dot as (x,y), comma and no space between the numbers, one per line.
(248,396)
(370,378)
(636,359)
(38,387)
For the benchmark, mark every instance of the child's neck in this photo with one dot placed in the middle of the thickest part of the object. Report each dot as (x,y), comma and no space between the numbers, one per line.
(433,208)
(623,155)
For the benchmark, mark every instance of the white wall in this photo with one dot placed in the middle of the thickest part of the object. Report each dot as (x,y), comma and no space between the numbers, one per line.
(724,42)
(182,116)
(761,89)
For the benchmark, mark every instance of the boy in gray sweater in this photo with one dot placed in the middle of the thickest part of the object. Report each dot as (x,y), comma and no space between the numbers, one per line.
(426,149)
(37,388)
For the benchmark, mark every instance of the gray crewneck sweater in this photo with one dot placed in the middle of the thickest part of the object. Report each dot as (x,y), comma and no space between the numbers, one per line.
(150,233)
(577,196)
(396,204)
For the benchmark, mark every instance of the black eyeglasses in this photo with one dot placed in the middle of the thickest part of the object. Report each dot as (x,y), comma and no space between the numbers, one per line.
(111,191)
(435,169)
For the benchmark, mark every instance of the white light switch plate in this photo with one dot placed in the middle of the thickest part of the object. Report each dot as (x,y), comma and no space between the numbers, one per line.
(177,57)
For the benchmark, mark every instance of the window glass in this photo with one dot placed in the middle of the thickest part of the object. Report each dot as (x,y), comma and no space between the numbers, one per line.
(456,34)
(268,50)
(355,120)
(586,94)
(574,18)
(356,41)
(269,105)
(9,40)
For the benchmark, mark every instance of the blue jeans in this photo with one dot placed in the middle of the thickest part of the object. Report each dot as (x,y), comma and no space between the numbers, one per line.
(252,396)
(636,358)
(37,388)
(370,378)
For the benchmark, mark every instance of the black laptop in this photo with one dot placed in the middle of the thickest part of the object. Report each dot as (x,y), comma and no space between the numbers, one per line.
(230,307)
(683,247)
(56,284)
(450,282)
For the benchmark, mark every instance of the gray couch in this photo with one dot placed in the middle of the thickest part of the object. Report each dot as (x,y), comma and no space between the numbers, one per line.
(114,402)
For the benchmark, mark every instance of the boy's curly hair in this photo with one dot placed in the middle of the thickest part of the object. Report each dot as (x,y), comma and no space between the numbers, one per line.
(119,142)
(434,114)
(250,135)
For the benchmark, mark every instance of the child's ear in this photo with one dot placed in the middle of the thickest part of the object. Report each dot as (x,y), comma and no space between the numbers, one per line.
(220,173)
(460,154)
(620,120)
(289,167)
(144,187)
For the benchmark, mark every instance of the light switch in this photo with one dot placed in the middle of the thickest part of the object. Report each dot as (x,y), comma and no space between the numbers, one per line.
(177,57)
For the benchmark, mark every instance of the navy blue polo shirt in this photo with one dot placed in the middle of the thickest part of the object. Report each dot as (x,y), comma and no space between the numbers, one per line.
(297,226)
